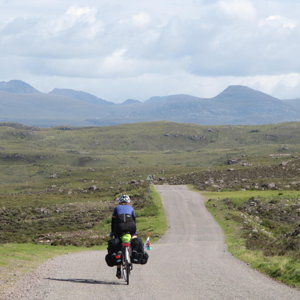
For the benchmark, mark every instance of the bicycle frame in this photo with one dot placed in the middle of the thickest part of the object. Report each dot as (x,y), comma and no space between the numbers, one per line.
(126,266)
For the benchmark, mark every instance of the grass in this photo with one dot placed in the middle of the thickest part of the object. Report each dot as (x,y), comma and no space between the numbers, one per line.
(239,197)
(18,259)
(46,174)
(151,221)
(285,268)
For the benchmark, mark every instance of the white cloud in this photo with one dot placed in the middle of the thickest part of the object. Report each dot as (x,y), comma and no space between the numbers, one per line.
(171,45)
(141,19)
(81,11)
(83,18)
(243,9)
(279,21)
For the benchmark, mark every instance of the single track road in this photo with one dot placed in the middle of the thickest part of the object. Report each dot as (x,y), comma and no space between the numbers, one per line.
(189,262)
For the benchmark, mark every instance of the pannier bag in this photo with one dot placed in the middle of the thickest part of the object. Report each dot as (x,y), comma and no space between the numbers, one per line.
(114,255)
(113,259)
(144,258)
(114,245)
(139,256)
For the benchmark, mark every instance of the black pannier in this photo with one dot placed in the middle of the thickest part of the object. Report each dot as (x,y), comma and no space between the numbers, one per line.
(114,245)
(144,258)
(139,256)
(113,257)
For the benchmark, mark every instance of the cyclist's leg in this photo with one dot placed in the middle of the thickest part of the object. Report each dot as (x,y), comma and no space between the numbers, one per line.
(118,274)
(118,238)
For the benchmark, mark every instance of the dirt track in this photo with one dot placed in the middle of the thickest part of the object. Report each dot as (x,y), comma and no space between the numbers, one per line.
(189,262)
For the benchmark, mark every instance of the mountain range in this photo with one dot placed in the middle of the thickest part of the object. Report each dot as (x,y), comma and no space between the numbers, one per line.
(236,105)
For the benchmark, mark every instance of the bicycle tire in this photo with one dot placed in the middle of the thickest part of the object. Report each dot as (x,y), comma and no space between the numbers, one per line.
(127,265)
(127,273)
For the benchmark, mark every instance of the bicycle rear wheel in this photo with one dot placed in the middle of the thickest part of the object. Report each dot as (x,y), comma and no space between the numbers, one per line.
(127,273)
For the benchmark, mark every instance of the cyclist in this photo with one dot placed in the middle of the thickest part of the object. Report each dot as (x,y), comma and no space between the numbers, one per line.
(123,221)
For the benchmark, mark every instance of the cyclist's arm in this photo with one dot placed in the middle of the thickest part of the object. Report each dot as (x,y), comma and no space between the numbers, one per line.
(114,221)
(133,215)
(113,224)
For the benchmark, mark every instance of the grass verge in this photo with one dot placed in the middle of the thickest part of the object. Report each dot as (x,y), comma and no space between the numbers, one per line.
(151,221)
(285,267)
(18,259)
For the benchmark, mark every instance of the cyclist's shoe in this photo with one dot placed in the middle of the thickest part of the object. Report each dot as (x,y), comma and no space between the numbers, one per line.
(118,274)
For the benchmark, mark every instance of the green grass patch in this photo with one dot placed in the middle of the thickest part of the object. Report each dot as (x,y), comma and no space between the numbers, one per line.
(151,221)
(239,197)
(244,231)
(18,259)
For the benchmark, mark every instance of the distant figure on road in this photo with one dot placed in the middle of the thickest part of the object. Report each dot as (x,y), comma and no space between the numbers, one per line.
(123,218)
(123,221)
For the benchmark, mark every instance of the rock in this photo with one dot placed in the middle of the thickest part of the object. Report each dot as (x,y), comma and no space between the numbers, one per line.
(295,182)
(196,138)
(269,186)
(284,148)
(215,186)
(92,188)
(245,164)
(134,181)
(231,161)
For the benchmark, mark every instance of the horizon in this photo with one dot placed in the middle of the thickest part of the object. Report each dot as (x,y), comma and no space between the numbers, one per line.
(135,50)
(143,100)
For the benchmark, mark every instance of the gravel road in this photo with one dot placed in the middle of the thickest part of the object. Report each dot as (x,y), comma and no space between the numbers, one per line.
(189,262)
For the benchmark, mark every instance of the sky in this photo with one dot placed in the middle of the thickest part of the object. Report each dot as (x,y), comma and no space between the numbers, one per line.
(135,49)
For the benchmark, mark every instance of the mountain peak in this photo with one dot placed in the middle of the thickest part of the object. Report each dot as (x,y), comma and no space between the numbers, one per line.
(79,95)
(17,87)
(242,93)
(233,89)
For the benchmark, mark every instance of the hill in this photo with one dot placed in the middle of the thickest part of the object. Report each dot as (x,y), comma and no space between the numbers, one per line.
(79,95)
(19,102)
(17,87)
(58,184)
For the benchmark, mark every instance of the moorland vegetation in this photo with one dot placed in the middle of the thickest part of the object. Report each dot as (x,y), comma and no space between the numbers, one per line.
(57,185)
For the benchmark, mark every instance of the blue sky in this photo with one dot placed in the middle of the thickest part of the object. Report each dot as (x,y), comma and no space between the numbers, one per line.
(136,49)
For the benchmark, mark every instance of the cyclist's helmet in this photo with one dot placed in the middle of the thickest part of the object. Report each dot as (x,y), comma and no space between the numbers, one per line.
(124,199)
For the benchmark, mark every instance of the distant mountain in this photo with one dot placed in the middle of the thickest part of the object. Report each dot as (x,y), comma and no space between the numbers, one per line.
(243,105)
(20,102)
(17,87)
(80,95)
(173,98)
(239,96)
(130,101)
(294,103)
